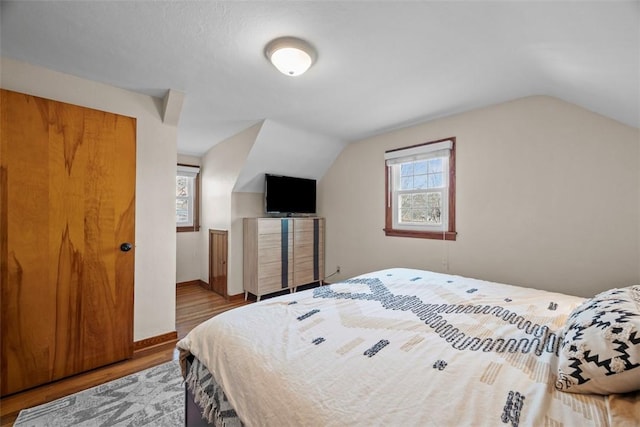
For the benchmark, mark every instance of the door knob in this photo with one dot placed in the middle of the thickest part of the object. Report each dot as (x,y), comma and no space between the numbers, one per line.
(125,247)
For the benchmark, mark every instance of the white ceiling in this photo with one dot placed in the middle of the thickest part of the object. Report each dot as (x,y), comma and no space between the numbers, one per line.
(381,65)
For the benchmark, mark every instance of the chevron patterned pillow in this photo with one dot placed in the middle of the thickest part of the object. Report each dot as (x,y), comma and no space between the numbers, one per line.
(600,349)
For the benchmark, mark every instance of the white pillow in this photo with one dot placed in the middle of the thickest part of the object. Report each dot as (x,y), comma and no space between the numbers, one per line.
(600,349)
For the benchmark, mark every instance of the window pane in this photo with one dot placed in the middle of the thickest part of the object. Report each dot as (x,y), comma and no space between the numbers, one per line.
(435,180)
(414,208)
(182,186)
(420,201)
(434,208)
(182,210)
(182,217)
(435,165)
(406,169)
(406,183)
(182,204)
(420,182)
(420,168)
(405,215)
(418,215)
(405,201)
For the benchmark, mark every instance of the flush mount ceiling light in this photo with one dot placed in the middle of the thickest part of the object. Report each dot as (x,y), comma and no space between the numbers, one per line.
(291,56)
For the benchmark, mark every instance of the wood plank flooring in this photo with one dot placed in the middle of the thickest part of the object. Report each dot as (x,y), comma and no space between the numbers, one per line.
(194,305)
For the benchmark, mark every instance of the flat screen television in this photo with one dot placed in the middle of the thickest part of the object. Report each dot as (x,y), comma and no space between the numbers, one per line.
(288,195)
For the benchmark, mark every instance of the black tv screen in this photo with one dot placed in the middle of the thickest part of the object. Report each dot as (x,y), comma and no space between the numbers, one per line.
(289,195)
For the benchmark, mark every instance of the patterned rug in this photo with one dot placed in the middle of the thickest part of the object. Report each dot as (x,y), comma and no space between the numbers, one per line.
(153,397)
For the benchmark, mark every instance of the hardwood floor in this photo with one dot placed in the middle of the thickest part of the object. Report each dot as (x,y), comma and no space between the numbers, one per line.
(194,305)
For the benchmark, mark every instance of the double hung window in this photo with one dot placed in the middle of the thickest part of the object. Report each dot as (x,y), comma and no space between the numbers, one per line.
(187,200)
(420,196)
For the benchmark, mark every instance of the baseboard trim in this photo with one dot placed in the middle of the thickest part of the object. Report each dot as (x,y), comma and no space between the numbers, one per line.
(194,282)
(188,282)
(198,282)
(234,298)
(154,341)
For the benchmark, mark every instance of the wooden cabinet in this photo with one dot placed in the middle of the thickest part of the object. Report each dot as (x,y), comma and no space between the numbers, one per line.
(268,255)
(282,253)
(308,250)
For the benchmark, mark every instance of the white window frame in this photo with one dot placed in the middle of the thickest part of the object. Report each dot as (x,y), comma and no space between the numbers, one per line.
(394,159)
(191,173)
(396,193)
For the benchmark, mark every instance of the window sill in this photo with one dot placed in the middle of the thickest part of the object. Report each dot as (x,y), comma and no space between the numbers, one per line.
(435,235)
(186,229)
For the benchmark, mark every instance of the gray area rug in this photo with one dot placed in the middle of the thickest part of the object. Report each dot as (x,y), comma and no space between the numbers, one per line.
(153,397)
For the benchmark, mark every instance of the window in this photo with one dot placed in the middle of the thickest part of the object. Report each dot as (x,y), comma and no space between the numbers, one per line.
(420,191)
(187,198)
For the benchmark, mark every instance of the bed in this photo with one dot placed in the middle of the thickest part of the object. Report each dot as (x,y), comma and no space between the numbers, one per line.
(417,348)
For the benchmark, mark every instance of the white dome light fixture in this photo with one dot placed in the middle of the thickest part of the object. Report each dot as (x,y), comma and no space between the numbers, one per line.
(290,55)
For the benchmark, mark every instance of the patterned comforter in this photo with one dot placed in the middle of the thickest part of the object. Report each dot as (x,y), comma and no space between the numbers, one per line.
(400,347)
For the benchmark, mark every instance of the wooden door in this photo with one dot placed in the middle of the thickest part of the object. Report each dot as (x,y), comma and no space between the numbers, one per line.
(67,204)
(218,261)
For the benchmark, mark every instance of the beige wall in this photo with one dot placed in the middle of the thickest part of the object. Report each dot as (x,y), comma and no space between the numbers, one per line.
(547,197)
(221,166)
(188,242)
(155,247)
(243,205)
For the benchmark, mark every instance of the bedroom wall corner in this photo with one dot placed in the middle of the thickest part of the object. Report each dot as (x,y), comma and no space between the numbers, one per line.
(155,245)
(220,168)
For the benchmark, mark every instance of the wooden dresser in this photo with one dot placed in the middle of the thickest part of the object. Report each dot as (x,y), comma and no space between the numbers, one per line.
(282,253)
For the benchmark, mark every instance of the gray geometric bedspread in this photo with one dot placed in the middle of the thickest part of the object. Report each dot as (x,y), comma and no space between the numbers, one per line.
(397,347)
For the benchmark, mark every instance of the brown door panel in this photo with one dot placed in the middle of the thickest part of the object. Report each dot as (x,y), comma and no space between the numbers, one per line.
(68,200)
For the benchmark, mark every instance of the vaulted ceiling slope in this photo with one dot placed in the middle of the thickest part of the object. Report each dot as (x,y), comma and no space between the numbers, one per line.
(381,65)
(284,150)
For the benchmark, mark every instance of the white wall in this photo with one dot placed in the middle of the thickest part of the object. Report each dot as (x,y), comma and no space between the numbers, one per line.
(155,247)
(285,150)
(243,205)
(188,242)
(547,197)
(221,166)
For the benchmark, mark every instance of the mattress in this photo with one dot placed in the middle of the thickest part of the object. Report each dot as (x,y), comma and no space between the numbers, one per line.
(400,347)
